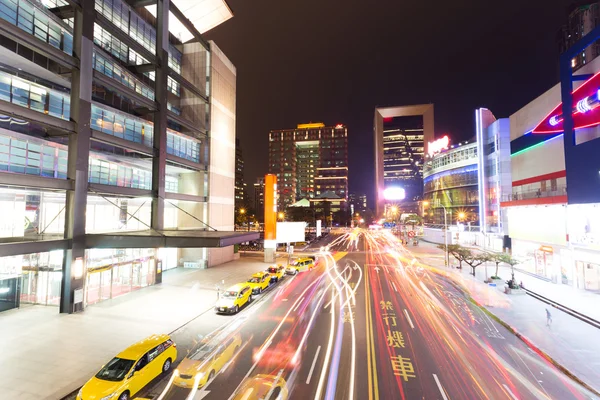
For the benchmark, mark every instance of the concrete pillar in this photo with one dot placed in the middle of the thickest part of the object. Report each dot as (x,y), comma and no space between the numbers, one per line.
(79,149)
(159,161)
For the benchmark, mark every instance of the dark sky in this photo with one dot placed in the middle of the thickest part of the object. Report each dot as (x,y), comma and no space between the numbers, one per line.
(336,60)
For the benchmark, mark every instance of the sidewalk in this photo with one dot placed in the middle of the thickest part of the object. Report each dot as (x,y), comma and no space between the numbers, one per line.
(571,342)
(47,355)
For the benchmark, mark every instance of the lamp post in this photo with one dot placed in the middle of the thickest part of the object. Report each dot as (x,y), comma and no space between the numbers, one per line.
(446,261)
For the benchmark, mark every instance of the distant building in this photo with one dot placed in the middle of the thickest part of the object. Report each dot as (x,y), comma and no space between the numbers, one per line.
(583,17)
(401,134)
(240,186)
(358,202)
(259,198)
(309,161)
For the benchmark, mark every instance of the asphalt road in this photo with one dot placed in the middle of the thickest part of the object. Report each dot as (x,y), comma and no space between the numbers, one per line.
(370,322)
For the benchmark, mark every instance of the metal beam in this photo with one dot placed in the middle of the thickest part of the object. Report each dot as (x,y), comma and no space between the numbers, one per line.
(118,191)
(33,181)
(186,197)
(12,32)
(13,110)
(141,3)
(186,123)
(41,246)
(189,26)
(141,69)
(187,84)
(124,90)
(123,241)
(63,12)
(186,163)
(116,141)
(125,38)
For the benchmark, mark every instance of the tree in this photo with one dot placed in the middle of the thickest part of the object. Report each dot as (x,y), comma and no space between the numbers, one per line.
(497,258)
(475,260)
(412,220)
(508,259)
(457,251)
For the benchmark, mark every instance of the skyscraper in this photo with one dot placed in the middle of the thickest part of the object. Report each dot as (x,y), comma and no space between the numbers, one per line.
(582,18)
(309,161)
(240,186)
(259,198)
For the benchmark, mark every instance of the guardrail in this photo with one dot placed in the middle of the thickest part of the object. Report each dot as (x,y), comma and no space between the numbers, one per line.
(570,311)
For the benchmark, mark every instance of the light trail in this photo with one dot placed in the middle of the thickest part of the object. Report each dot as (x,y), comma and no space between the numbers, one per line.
(328,353)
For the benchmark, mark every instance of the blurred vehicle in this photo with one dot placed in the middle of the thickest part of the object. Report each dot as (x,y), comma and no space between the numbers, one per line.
(277,272)
(205,360)
(267,387)
(234,298)
(300,265)
(259,282)
(131,370)
(279,355)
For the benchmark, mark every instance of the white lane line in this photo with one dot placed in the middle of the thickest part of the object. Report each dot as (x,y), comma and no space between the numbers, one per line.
(300,302)
(314,363)
(439,385)
(409,320)
(394,286)
(510,392)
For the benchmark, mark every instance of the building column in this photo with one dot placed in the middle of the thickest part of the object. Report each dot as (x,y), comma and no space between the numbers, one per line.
(72,285)
(159,161)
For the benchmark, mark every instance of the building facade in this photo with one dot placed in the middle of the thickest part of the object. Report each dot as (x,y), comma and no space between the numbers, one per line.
(113,134)
(400,135)
(309,161)
(259,198)
(358,202)
(240,186)
(582,19)
(450,186)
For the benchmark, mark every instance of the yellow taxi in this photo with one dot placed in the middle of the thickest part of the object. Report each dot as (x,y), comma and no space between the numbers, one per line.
(132,369)
(234,298)
(259,282)
(299,265)
(205,360)
(277,272)
(268,387)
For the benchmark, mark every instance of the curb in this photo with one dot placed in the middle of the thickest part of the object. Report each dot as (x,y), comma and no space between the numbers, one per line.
(539,351)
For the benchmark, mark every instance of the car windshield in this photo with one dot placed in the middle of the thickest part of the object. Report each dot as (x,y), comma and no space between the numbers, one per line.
(229,295)
(295,262)
(273,270)
(115,370)
(254,280)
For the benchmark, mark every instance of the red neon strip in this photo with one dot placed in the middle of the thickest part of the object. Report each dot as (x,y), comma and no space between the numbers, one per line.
(535,202)
(539,178)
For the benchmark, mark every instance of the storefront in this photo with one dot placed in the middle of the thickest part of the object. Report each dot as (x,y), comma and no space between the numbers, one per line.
(584,236)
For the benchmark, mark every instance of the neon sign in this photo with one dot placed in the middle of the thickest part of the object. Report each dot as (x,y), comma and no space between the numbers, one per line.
(339,126)
(586,101)
(438,145)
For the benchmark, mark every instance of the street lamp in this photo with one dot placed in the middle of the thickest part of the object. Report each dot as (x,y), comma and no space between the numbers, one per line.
(446,260)
(461,216)
(281,216)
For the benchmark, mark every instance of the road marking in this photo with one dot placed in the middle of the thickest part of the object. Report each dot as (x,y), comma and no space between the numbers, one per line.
(329,348)
(510,392)
(312,368)
(300,302)
(386,269)
(409,320)
(394,286)
(372,363)
(439,385)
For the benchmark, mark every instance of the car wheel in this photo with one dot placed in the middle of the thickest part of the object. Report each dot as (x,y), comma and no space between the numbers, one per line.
(259,290)
(124,396)
(211,375)
(236,310)
(166,366)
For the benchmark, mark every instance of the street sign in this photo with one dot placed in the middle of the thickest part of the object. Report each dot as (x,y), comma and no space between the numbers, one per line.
(411,234)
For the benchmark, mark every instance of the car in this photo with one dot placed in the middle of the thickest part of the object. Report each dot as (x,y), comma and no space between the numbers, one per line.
(277,272)
(234,298)
(259,282)
(206,359)
(132,369)
(299,265)
(262,386)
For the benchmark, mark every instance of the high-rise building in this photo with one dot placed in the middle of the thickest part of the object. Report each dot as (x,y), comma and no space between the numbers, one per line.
(401,137)
(358,202)
(309,161)
(240,186)
(582,18)
(259,198)
(105,148)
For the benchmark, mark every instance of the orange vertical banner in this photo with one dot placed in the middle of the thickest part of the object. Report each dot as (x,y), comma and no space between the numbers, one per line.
(270,210)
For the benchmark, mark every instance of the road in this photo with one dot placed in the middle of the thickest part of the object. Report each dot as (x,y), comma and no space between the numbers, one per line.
(370,322)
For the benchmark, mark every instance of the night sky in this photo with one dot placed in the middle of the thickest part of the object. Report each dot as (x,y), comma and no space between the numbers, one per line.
(334,61)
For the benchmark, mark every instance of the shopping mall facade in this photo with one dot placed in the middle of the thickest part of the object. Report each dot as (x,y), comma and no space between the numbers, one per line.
(117,147)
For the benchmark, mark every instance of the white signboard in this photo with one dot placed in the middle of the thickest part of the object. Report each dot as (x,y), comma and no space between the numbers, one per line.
(78,296)
(438,145)
(319,228)
(290,232)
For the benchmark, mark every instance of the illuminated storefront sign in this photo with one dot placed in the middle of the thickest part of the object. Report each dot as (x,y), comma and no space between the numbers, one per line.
(438,145)
(586,100)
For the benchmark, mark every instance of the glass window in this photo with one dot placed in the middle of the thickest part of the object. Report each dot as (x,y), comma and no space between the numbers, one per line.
(20,93)
(115,370)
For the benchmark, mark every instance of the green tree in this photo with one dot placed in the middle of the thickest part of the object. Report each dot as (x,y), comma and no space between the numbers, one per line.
(457,251)
(475,260)
(412,220)
(507,258)
(497,258)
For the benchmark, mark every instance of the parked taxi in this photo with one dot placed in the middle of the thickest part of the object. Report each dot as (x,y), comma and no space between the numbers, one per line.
(205,360)
(132,369)
(259,282)
(234,298)
(300,265)
(262,386)
(277,272)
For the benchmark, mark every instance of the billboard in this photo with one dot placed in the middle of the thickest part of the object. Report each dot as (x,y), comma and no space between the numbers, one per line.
(394,193)
(319,228)
(290,232)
